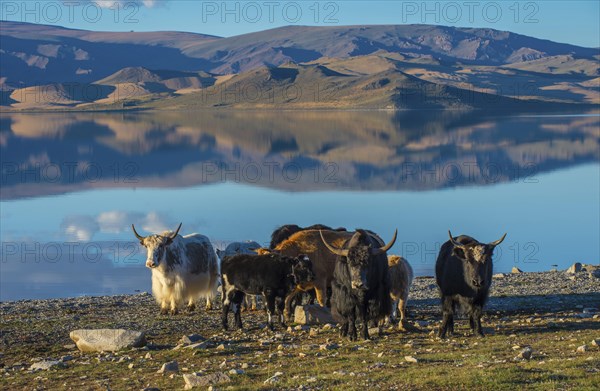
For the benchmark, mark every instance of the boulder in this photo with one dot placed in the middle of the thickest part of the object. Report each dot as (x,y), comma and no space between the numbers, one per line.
(575,268)
(169,367)
(100,340)
(196,380)
(312,314)
(516,270)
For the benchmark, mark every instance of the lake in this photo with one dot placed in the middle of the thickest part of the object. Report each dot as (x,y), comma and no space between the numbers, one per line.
(73,183)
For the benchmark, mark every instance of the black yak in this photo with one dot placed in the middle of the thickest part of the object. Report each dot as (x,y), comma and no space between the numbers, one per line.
(360,287)
(463,272)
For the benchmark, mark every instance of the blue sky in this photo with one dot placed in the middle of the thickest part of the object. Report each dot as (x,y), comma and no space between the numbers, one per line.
(575,22)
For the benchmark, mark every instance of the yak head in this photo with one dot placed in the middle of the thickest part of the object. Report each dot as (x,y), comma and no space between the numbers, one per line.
(476,258)
(302,271)
(358,253)
(156,246)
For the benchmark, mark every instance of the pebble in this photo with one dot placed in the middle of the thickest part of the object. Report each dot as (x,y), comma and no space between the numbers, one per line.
(236,372)
(192,338)
(329,346)
(582,349)
(526,353)
(46,365)
(274,379)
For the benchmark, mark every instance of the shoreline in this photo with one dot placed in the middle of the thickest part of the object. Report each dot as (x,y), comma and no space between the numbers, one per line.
(424,287)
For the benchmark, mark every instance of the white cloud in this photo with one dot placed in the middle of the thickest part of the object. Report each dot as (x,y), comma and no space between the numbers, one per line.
(115,221)
(79,228)
(83,228)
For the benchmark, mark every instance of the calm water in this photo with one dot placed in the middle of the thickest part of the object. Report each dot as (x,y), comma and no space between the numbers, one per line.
(73,183)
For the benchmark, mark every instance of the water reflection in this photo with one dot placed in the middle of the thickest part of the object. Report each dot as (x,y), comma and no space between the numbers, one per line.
(44,154)
(72,183)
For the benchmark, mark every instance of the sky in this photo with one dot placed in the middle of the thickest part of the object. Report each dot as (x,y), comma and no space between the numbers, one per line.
(575,22)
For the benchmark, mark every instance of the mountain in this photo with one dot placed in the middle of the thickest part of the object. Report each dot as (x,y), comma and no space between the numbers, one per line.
(383,66)
(35,54)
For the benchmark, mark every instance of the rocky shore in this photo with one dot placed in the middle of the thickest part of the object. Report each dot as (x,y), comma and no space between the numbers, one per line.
(545,326)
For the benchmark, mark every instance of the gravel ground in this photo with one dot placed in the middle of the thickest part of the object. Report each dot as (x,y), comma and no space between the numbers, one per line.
(34,330)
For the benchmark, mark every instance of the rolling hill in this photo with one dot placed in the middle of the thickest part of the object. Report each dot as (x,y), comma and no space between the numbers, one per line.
(382,67)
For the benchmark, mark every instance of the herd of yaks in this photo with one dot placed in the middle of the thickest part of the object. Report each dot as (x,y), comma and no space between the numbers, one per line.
(349,271)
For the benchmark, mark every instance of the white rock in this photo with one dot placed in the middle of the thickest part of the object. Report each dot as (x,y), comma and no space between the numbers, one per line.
(46,364)
(200,345)
(312,314)
(168,367)
(582,349)
(575,268)
(275,378)
(98,340)
(410,359)
(236,372)
(192,338)
(198,380)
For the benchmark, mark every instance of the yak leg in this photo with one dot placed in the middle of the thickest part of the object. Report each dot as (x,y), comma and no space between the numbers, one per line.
(447,317)
(237,309)
(270,296)
(225,311)
(344,328)
(191,306)
(365,327)
(164,307)
(209,304)
(352,325)
(280,311)
(173,306)
(402,308)
(288,304)
(321,292)
(475,319)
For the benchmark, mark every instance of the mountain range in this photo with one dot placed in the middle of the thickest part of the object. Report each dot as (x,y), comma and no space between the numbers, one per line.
(376,67)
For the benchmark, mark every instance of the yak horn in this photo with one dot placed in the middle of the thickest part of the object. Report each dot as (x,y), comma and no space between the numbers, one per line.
(176,232)
(140,237)
(337,251)
(497,242)
(454,242)
(391,243)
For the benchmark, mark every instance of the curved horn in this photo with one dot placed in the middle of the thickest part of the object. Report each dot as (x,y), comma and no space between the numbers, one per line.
(337,251)
(454,242)
(391,243)
(176,232)
(140,237)
(497,242)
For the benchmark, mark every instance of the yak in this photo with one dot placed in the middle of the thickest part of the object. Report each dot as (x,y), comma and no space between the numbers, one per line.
(463,272)
(361,286)
(272,275)
(183,268)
